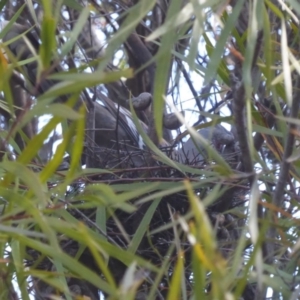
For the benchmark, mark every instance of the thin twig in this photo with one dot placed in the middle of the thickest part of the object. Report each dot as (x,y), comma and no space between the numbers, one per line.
(239,116)
(278,198)
(288,149)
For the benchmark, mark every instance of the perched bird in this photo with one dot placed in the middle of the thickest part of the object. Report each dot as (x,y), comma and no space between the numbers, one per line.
(193,152)
(114,126)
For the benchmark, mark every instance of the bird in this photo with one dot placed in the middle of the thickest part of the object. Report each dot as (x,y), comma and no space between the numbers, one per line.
(114,125)
(193,151)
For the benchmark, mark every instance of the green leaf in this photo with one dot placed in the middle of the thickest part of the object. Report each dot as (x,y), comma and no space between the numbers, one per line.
(217,54)
(76,152)
(77,82)
(163,62)
(135,15)
(48,39)
(143,226)
(28,177)
(175,286)
(172,22)
(73,35)
(70,263)
(11,22)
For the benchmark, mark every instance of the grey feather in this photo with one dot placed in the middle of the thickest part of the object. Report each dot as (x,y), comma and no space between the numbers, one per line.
(193,152)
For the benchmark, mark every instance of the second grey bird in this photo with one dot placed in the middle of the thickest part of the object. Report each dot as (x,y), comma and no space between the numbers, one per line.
(220,138)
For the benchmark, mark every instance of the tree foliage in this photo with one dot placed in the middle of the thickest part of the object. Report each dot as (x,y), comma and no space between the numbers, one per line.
(107,191)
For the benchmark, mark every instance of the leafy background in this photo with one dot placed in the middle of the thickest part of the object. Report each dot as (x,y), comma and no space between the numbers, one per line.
(225,229)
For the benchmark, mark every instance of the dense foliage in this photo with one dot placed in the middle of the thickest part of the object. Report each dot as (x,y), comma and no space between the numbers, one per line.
(107,191)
